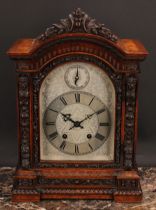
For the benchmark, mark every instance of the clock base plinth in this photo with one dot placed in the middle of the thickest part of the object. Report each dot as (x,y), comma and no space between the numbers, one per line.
(24,189)
(25,196)
(110,184)
(128,198)
(128,187)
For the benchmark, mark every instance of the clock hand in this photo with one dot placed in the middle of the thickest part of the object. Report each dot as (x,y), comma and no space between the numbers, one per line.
(77,76)
(88,117)
(78,123)
(67,117)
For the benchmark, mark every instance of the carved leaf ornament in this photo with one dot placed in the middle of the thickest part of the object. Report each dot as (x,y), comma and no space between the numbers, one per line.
(78,21)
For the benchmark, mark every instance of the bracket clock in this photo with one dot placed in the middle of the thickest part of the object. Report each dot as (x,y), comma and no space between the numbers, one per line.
(77,106)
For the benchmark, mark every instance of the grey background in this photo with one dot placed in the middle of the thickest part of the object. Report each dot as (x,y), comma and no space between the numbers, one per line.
(127,18)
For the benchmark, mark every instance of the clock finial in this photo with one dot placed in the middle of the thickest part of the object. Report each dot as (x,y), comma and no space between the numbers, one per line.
(78,22)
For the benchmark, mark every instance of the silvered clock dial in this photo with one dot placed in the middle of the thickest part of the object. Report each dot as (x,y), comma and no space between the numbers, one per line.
(77,114)
(76,123)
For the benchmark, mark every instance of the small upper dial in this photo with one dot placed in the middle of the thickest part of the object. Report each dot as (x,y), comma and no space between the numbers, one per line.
(77,76)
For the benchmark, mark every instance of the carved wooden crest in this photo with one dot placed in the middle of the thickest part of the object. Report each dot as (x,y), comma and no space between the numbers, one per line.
(78,21)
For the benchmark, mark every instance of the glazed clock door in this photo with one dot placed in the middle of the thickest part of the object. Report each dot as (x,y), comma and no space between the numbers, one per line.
(77,114)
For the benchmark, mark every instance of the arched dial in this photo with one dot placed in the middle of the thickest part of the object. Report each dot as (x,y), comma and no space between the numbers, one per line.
(76,123)
(77,76)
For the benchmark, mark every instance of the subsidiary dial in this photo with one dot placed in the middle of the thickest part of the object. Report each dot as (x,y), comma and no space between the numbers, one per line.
(77,76)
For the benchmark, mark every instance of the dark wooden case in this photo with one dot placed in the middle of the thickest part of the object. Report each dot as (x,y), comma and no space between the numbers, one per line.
(77,38)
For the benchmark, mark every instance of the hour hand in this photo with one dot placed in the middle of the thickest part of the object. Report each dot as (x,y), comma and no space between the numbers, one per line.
(77,76)
(67,117)
(77,124)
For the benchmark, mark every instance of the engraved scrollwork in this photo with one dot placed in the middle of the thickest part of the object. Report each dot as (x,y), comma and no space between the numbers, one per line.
(78,21)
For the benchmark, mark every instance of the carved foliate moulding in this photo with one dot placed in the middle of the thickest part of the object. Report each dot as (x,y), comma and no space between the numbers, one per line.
(24,119)
(130,116)
(78,21)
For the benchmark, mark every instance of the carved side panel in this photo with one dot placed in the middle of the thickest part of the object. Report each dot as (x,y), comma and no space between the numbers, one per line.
(36,87)
(117,78)
(24,119)
(130,100)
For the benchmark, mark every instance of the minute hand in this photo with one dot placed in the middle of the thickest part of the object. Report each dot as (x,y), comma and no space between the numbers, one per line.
(90,115)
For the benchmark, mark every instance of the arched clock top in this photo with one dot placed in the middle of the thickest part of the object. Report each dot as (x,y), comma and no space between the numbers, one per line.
(128,48)
(78,26)
(123,56)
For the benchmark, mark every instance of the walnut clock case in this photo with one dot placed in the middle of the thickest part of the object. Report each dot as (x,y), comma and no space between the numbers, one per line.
(77,105)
